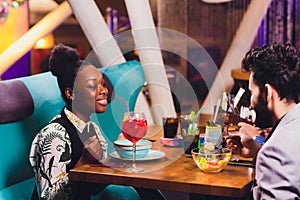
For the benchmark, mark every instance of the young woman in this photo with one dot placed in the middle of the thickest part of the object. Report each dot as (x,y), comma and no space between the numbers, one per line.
(70,139)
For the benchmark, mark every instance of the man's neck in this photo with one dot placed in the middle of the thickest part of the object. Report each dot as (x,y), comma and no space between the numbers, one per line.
(282,107)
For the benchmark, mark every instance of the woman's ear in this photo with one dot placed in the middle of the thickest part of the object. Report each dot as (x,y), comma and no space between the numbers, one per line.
(69,93)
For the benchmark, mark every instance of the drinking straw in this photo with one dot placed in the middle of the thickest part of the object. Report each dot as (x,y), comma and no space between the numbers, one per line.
(224,101)
(126,104)
(199,143)
(193,117)
(198,113)
(217,110)
(238,96)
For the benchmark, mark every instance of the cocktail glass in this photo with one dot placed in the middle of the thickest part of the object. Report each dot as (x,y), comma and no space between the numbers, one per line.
(134,128)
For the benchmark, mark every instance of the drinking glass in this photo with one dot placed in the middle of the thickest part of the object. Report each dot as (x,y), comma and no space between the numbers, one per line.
(213,137)
(134,128)
(170,126)
(189,133)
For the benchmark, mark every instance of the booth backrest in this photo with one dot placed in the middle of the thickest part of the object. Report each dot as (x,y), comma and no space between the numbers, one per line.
(29,103)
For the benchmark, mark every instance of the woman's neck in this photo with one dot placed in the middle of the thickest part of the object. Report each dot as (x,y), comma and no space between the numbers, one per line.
(82,115)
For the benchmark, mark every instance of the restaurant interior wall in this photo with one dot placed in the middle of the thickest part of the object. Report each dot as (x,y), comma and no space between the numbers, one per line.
(13,25)
(212,25)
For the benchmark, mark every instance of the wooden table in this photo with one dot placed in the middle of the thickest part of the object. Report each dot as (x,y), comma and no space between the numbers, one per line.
(174,172)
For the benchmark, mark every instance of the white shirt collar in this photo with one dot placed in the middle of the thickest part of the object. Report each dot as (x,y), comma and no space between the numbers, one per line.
(76,121)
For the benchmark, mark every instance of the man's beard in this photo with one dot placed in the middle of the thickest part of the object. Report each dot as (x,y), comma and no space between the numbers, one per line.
(264,116)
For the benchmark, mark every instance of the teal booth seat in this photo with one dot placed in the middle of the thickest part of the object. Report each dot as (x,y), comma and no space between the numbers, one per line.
(29,103)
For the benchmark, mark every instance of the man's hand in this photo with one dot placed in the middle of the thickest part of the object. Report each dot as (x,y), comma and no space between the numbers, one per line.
(243,144)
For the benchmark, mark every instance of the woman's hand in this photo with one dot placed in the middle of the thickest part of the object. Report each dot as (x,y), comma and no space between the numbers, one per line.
(92,152)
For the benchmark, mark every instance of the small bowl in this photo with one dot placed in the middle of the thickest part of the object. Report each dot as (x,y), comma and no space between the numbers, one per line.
(124,148)
(212,162)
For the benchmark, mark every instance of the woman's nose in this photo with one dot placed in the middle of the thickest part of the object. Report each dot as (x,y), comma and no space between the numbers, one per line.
(102,89)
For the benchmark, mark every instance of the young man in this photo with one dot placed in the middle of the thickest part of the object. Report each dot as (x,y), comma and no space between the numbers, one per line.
(274,84)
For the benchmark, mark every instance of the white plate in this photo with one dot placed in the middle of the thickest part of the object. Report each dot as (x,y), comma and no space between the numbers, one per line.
(152,155)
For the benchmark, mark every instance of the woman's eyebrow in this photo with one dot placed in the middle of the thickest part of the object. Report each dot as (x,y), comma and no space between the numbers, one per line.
(91,79)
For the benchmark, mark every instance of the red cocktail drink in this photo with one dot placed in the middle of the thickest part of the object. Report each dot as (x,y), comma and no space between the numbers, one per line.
(134,129)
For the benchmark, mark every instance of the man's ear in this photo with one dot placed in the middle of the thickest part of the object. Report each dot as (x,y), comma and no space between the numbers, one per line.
(269,92)
(69,93)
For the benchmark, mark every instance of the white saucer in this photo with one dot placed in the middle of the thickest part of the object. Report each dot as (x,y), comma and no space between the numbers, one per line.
(152,155)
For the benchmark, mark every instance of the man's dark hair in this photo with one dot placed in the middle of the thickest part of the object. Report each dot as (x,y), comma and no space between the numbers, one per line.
(277,64)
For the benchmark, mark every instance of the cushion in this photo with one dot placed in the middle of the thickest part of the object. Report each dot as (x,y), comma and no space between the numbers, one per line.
(16,101)
(20,191)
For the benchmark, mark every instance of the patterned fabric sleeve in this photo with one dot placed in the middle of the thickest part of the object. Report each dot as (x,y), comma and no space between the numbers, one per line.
(49,155)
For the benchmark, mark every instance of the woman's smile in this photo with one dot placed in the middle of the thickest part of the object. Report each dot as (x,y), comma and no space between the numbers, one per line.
(102,101)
